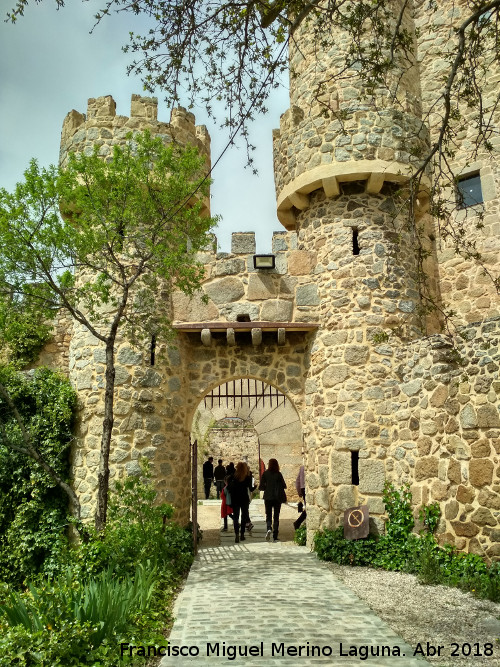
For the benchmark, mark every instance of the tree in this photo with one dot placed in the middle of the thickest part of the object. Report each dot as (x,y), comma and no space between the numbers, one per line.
(128,234)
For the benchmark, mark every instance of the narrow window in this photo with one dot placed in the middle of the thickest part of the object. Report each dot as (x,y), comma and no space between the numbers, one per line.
(243,318)
(355,468)
(152,349)
(469,192)
(355,245)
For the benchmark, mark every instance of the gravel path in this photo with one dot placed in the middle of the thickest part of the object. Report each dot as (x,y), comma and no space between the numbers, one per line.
(435,614)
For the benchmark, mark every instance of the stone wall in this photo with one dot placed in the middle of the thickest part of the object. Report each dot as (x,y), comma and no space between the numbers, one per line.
(465,287)
(366,387)
(155,406)
(229,444)
(446,439)
(432,420)
(336,130)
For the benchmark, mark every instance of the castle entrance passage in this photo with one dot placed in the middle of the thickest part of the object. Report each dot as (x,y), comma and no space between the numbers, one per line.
(246,419)
(217,380)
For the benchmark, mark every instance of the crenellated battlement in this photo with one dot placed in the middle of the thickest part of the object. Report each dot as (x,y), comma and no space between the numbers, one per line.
(101,126)
(237,289)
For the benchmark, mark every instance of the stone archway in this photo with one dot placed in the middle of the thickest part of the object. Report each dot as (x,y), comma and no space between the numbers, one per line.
(254,421)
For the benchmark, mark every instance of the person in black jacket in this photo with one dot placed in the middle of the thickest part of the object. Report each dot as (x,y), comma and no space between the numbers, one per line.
(219,474)
(239,486)
(208,475)
(273,485)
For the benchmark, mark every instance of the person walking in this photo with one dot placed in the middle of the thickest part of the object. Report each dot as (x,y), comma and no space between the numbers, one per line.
(225,507)
(219,474)
(273,485)
(208,475)
(253,486)
(239,486)
(300,485)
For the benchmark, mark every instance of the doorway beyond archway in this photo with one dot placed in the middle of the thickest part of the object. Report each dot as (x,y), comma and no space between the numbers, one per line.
(250,420)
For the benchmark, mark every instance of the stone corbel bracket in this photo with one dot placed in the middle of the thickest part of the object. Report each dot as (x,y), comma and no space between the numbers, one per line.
(295,195)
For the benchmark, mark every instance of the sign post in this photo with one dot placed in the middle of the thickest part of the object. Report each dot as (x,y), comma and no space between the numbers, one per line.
(356,522)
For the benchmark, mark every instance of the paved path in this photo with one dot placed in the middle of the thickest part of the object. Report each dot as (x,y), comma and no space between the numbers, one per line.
(281,606)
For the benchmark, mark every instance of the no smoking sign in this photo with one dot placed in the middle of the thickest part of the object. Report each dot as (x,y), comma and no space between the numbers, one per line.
(356,522)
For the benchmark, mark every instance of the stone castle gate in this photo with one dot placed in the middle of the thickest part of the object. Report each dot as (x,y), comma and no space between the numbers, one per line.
(336,321)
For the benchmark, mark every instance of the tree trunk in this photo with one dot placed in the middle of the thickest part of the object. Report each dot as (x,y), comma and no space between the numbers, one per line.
(107,428)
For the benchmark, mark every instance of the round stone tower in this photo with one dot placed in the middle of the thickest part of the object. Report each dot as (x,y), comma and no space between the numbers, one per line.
(340,156)
(145,400)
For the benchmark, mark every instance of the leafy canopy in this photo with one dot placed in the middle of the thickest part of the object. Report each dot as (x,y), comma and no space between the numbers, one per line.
(128,222)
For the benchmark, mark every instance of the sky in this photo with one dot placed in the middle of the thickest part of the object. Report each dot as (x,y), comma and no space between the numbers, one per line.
(50,64)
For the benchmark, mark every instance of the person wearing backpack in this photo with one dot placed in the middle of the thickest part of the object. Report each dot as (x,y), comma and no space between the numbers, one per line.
(273,485)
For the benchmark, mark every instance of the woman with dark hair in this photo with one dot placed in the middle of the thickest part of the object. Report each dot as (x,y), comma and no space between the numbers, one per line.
(273,485)
(239,487)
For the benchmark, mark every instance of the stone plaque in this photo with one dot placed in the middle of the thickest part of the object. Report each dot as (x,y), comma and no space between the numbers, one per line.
(356,520)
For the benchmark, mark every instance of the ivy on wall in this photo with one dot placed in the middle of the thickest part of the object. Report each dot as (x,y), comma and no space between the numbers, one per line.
(33,509)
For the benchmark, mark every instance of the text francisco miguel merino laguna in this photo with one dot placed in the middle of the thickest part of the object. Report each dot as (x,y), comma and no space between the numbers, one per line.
(275,649)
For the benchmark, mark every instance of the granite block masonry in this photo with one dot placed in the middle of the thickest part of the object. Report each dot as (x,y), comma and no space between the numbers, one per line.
(377,391)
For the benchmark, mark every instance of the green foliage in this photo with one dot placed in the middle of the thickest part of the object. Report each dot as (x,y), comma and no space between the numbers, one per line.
(300,536)
(100,596)
(400,549)
(331,545)
(400,519)
(137,530)
(126,223)
(33,509)
(130,228)
(430,515)
(97,612)
(23,332)
(429,569)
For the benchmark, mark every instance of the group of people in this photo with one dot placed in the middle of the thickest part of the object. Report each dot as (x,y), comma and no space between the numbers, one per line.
(215,475)
(236,493)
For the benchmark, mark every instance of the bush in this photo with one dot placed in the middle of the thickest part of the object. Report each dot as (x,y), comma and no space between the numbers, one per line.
(136,530)
(400,549)
(100,597)
(22,331)
(33,509)
(96,613)
(300,536)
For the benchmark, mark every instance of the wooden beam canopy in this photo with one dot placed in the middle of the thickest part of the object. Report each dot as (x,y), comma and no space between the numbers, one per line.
(256,329)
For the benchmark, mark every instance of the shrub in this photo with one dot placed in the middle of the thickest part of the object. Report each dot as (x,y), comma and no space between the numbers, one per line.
(400,549)
(96,613)
(400,521)
(33,509)
(300,536)
(81,615)
(137,530)
(22,332)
